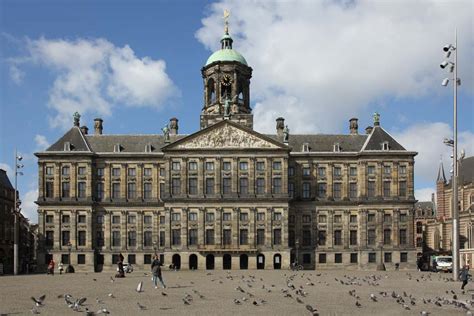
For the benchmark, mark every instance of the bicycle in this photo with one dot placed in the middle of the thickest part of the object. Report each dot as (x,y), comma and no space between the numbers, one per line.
(295,267)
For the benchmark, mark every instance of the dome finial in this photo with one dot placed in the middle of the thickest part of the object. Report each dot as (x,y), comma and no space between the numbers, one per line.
(226,21)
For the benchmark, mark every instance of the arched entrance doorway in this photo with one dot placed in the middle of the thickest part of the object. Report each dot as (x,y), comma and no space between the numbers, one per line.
(193,262)
(176,260)
(277,261)
(227,262)
(244,262)
(260,261)
(210,262)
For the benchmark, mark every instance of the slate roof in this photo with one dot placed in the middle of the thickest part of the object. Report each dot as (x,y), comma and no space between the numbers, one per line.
(128,143)
(378,136)
(466,170)
(75,138)
(441,176)
(325,143)
(4,181)
(424,205)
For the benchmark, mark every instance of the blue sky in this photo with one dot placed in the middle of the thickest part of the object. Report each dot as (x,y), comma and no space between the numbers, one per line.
(137,63)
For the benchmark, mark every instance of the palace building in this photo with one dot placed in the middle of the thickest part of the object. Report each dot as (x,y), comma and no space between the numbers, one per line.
(227,196)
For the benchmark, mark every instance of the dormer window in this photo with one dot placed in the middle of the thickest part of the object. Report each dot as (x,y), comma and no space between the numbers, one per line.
(67,146)
(305,147)
(148,148)
(117,148)
(336,147)
(385,146)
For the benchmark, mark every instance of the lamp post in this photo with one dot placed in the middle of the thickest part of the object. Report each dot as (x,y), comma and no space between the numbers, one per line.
(16,213)
(453,68)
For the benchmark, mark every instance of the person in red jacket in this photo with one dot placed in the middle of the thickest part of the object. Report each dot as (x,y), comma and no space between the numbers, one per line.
(51,267)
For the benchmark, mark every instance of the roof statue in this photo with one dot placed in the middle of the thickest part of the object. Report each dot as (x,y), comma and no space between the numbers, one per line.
(376,119)
(77,118)
(166,132)
(286,134)
(226,21)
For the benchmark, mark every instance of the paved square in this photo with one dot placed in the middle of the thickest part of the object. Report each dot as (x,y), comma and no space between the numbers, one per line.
(326,291)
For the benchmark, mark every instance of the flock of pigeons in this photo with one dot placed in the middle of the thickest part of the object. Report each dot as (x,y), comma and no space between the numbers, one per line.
(248,285)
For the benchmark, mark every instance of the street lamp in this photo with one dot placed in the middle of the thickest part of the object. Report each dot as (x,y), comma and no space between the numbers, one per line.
(453,68)
(16,213)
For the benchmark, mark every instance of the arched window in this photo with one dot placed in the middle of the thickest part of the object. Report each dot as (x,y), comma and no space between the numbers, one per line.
(211,91)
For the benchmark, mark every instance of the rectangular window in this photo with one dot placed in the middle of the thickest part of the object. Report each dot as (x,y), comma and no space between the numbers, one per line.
(209,236)
(65,190)
(322,258)
(403,217)
(116,172)
(244,186)
(387,236)
(49,171)
(81,219)
(226,166)
(353,219)
(306,171)
(65,171)
(244,237)
(100,191)
(226,186)
(387,170)
(260,237)
(322,218)
(81,171)
(81,236)
(162,190)
(402,170)
(371,170)
(337,171)
(353,190)
(322,171)
(193,166)
(337,190)
(81,189)
(387,257)
(371,237)
(176,186)
(147,219)
(132,190)
(209,217)
(291,171)
(193,216)
(147,172)
(209,165)
(49,189)
(132,172)
(116,219)
(322,237)
(49,240)
(175,165)
(99,238)
(260,165)
(81,259)
(291,189)
(260,186)
(162,172)
(353,238)
(147,259)
(291,219)
(176,237)
(192,186)
(387,218)
(162,220)
(337,218)
(132,259)
(276,185)
(403,257)
(227,217)
(353,171)
(277,165)
(321,190)
(277,236)
(354,258)
(306,218)
(403,236)
(386,188)
(65,237)
(162,238)
(193,237)
(277,216)
(371,217)
(147,190)
(65,259)
(337,238)
(116,190)
(244,165)
(100,172)
(260,217)
(227,236)
(132,239)
(244,217)
(175,217)
(209,185)
(66,219)
(306,237)
(371,189)
(372,257)
(338,258)
(132,219)
(403,188)
(306,190)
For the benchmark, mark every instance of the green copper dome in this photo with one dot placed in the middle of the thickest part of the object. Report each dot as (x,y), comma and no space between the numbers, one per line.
(226,54)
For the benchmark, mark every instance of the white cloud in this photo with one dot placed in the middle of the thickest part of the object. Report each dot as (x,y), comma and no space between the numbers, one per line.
(28,207)
(41,142)
(16,74)
(93,76)
(427,140)
(424,194)
(320,62)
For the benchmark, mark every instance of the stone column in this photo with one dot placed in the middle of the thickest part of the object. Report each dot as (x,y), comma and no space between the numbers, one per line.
(201,179)
(73,229)
(140,229)
(410,184)
(268,176)
(284,178)
(252,227)
(123,181)
(236,226)
(155,189)
(202,226)
(363,229)
(155,228)
(284,229)
(123,230)
(89,232)
(168,228)
(218,230)
(345,182)
(252,177)
(184,176)
(108,230)
(378,180)
(394,184)
(184,228)
(379,227)
(268,228)
(362,179)
(329,174)
(218,176)
(395,227)
(139,183)
(57,180)
(345,228)
(73,180)
(41,180)
(330,230)
(89,181)
(107,182)
(57,229)
(410,229)
(235,176)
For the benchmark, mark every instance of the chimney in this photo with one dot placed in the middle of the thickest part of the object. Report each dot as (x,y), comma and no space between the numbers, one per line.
(280,126)
(98,126)
(173,126)
(84,130)
(368,130)
(353,126)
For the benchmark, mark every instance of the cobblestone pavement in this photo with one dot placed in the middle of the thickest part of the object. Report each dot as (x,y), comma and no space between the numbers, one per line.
(241,292)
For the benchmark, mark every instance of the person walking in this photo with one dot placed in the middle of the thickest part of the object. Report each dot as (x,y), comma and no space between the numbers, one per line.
(464,276)
(51,267)
(60,267)
(156,269)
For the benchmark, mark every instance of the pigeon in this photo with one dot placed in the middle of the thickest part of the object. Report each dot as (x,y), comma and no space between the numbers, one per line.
(373,297)
(424,313)
(299,300)
(237,301)
(164,294)
(98,301)
(39,301)
(111,295)
(140,287)
(34,311)
(141,307)
(94,279)
(186,302)
(358,304)
(112,280)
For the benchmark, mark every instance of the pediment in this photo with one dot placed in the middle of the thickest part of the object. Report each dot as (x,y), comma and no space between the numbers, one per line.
(226,135)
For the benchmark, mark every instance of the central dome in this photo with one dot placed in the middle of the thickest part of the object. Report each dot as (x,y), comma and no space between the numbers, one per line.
(226,55)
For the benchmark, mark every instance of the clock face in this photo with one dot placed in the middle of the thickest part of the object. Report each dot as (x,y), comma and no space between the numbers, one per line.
(226,80)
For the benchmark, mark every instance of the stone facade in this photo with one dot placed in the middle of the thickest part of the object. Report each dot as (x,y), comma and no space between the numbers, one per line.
(227,196)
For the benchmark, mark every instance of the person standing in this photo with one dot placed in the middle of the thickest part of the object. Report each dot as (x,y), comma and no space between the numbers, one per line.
(464,276)
(60,267)
(156,269)
(51,267)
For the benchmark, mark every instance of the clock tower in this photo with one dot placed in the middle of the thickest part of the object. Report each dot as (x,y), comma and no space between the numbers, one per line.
(226,78)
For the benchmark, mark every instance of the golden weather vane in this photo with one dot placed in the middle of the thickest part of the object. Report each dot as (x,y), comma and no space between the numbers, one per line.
(226,21)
